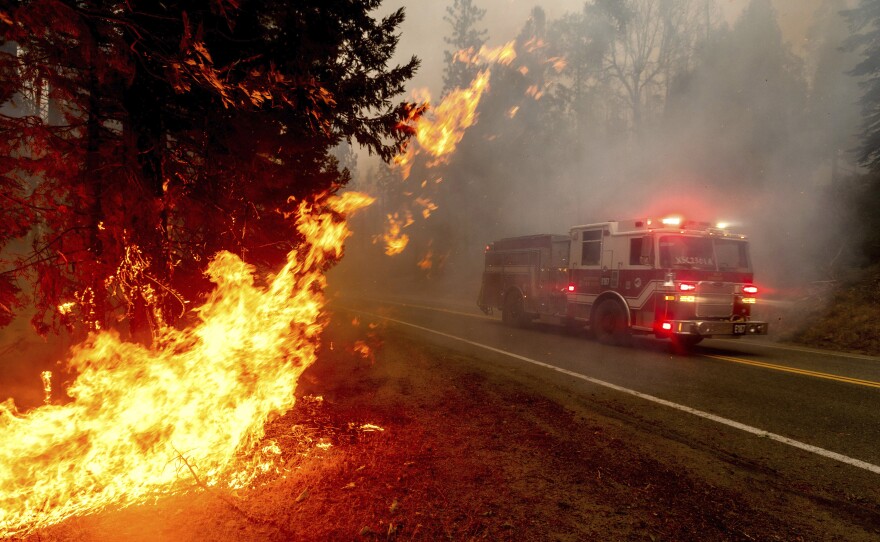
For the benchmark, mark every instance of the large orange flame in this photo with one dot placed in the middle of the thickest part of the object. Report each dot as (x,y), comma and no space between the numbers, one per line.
(504,54)
(149,421)
(441,130)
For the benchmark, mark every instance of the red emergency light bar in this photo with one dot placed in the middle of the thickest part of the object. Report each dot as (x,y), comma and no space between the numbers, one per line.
(750,289)
(677,221)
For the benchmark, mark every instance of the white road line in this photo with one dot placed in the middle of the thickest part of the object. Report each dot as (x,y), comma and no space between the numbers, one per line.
(760,344)
(702,414)
(474,314)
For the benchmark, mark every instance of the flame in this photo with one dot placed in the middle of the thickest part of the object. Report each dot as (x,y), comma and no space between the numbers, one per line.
(362,349)
(504,54)
(534,92)
(425,263)
(428,207)
(46,377)
(395,241)
(367,427)
(559,63)
(186,412)
(534,44)
(404,162)
(439,131)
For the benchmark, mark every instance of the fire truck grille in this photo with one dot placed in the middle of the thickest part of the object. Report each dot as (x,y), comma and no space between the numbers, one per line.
(714,305)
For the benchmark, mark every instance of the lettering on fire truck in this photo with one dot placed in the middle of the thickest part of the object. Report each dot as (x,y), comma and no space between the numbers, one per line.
(670,277)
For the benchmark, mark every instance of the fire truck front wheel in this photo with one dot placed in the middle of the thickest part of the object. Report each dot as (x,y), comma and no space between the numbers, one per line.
(609,324)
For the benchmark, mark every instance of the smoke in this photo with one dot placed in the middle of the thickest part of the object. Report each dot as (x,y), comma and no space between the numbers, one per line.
(749,121)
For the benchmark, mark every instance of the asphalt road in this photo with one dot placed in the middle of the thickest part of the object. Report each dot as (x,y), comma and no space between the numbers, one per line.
(771,406)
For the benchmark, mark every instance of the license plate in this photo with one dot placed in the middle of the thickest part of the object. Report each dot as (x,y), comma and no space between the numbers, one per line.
(739,329)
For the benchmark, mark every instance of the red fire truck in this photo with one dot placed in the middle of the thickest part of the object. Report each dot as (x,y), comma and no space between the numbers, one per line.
(671,277)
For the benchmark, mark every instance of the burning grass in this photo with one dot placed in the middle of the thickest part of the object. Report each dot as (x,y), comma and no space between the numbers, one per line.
(415,442)
(138,419)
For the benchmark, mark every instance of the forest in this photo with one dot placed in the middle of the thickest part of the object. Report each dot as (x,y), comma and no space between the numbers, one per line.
(139,140)
(191,192)
(629,109)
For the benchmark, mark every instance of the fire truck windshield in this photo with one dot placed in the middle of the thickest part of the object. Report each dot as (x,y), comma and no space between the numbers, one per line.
(710,254)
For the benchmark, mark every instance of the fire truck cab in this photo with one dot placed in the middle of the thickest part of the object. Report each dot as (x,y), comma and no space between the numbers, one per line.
(671,277)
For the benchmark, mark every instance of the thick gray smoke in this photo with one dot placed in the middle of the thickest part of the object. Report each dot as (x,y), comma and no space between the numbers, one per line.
(743,111)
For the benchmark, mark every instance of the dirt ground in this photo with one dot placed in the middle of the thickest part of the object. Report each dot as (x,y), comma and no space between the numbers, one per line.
(428,444)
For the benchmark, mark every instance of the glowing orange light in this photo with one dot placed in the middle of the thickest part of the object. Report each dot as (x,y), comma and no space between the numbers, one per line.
(145,421)
(504,55)
(362,349)
(427,205)
(559,63)
(440,130)
(426,262)
(395,239)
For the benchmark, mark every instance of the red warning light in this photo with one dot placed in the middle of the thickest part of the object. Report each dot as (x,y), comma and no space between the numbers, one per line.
(750,289)
(687,287)
(667,326)
(571,287)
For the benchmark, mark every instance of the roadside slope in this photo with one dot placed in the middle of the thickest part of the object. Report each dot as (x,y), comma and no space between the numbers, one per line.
(427,443)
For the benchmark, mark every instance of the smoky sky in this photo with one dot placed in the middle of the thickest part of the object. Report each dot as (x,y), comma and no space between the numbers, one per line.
(424,28)
(712,159)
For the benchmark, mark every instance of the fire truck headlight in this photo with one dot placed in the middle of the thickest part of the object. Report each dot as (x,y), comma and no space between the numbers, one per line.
(687,298)
(749,300)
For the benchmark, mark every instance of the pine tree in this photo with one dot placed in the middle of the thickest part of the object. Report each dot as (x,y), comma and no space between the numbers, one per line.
(864,21)
(179,129)
(463,16)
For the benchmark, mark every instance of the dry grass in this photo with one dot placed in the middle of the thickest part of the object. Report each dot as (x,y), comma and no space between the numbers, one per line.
(846,318)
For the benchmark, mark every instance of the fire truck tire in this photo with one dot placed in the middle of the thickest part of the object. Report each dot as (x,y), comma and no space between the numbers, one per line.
(685,342)
(514,313)
(609,324)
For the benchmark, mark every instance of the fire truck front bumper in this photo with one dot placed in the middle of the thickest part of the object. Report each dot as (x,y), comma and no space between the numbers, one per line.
(709,328)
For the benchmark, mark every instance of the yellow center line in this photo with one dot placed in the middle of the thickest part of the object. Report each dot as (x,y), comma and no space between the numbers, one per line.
(805,372)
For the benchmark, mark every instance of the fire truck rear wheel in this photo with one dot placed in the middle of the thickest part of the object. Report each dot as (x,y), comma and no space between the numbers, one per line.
(514,312)
(609,324)
(685,342)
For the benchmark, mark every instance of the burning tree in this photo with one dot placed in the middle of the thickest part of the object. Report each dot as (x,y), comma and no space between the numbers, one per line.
(463,16)
(144,144)
(140,138)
